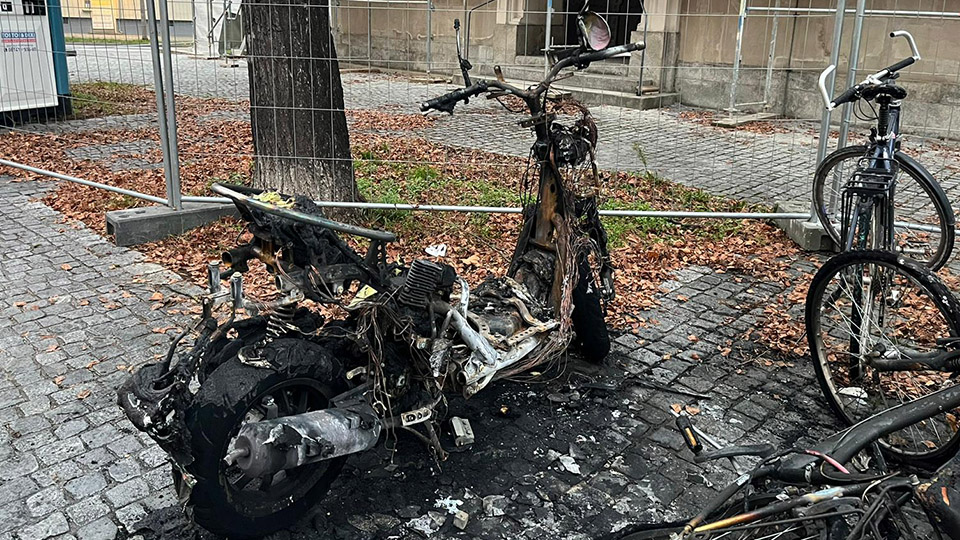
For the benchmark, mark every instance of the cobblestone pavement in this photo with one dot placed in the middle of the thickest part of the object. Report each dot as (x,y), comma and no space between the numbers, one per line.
(77,311)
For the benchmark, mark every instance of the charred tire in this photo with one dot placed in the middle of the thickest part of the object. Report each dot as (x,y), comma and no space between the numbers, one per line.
(232,392)
(589,318)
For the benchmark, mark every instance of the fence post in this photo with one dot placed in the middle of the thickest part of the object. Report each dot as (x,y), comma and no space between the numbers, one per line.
(171,110)
(854,61)
(771,59)
(825,116)
(741,19)
(548,37)
(161,105)
(429,34)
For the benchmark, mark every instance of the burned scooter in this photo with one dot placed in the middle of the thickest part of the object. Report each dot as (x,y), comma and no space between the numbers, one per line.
(259,413)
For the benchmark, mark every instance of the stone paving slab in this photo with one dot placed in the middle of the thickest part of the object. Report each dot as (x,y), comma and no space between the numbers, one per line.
(74,308)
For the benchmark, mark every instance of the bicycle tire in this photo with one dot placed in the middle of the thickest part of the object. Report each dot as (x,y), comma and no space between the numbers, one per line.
(924,329)
(941,204)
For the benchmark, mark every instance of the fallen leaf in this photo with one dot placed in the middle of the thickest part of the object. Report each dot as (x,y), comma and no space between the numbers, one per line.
(156,297)
(473,260)
(163,329)
(92,363)
(691,410)
(693,338)
(58,380)
(84,394)
(19,304)
(52,347)
(84,302)
(676,407)
(66,267)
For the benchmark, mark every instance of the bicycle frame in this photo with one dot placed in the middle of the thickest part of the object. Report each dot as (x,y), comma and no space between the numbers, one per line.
(809,467)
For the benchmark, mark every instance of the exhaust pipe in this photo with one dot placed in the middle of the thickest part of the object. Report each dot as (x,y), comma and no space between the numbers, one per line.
(270,446)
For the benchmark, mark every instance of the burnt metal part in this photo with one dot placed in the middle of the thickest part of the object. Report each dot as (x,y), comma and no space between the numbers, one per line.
(236,193)
(572,145)
(270,446)
(941,498)
(423,279)
(308,243)
(462,431)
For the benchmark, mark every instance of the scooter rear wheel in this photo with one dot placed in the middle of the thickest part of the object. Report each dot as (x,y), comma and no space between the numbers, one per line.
(226,502)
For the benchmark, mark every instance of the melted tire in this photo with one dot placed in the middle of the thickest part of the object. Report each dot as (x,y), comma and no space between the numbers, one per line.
(589,318)
(217,412)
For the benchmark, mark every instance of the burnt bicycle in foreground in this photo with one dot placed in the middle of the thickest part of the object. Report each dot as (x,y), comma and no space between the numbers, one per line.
(259,414)
(839,489)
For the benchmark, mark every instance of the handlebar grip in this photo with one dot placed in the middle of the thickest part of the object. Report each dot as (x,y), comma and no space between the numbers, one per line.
(447,101)
(909,61)
(848,95)
(443,102)
(689,436)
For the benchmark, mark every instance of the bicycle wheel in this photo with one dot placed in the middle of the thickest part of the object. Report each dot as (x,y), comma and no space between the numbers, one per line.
(924,229)
(869,304)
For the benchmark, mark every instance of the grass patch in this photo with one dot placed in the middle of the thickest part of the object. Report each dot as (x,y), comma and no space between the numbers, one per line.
(106,41)
(97,99)
(618,228)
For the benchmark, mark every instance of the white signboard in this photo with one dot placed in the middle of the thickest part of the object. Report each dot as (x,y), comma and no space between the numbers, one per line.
(26,58)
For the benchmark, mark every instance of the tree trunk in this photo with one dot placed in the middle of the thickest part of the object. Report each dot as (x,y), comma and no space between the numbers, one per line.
(296,101)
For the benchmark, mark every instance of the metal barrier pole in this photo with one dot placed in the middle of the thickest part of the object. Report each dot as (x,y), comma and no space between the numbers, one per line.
(81,181)
(831,80)
(825,116)
(741,19)
(771,60)
(517,210)
(170,102)
(854,61)
(429,34)
(548,38)
(158,93)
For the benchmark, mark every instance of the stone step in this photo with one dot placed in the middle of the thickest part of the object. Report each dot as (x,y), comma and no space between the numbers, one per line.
(625,81)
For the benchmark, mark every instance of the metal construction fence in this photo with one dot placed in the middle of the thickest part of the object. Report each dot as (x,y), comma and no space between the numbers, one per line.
(170,81)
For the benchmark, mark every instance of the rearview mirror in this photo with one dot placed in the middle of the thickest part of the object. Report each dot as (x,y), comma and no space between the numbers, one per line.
(594,31)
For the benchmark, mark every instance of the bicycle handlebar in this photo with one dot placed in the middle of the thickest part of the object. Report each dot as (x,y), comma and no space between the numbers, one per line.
(853,93)
(448,101)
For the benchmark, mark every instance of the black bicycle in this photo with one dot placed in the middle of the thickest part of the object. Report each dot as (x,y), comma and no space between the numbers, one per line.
(839,489)
(874,196)
(883,330)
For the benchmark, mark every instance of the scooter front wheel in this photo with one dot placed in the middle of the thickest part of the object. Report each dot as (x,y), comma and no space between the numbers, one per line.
(589,318)
(225,501)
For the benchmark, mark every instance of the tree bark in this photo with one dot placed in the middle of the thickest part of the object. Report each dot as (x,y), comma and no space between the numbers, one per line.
(299,126)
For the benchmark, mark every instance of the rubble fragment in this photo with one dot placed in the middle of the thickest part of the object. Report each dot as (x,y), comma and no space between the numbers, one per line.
(495,505)
(460,519)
